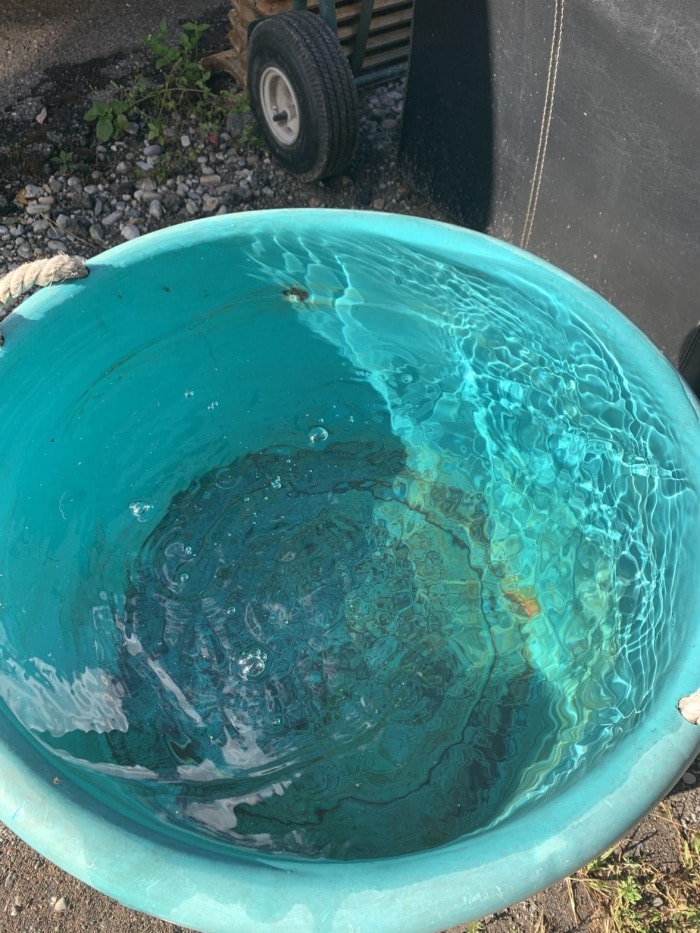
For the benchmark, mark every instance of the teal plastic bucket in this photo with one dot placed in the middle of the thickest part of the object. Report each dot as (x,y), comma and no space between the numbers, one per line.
(348,577)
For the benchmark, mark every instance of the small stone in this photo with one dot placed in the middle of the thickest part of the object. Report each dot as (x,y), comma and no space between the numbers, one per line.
(657,902)
(62,221)
(123,167)
(147,184)
(185,141)
(689,778)
(46,199)
(206,169)
(153,150)
(36,208)
(130,231)
(111,218)
(96,233)
(155,209)
(56,246)
(60,905)
(210,180)
(144,166)
(389,124)
(172,203)
(378,204)
(97,210)
(314,202)
(33,191)
(191,208)
(24,251)
(209,203)
(40,226)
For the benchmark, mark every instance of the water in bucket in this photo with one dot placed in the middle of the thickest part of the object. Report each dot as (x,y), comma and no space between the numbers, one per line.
(364,564)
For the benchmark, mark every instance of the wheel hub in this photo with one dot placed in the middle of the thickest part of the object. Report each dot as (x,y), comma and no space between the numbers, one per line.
(279,105)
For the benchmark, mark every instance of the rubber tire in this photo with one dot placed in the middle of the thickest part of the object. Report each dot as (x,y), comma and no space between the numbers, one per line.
(309,55)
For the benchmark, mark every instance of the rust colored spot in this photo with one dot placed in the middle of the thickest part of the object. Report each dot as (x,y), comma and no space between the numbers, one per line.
(524,605)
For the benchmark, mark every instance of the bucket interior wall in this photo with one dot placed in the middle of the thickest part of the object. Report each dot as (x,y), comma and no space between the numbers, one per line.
(343,544)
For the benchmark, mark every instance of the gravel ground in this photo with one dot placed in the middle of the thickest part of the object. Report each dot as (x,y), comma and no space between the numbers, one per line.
(95,196)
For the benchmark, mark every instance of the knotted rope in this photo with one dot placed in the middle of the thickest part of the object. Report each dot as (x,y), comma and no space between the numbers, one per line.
(690,707)
(55,269)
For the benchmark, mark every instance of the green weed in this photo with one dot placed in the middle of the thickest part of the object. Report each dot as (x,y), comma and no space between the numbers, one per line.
(65,162)
(636,897)
(178,91)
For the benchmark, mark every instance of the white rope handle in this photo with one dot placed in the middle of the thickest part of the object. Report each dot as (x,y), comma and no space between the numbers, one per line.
(690,707)
(41,272)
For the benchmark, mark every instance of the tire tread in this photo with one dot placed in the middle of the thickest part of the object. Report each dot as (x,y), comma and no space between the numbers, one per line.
(318,53)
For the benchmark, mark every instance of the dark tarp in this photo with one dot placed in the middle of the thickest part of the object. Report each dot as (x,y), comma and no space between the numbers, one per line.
(573,130)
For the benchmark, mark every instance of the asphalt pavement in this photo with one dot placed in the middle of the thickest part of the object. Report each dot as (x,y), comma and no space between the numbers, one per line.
(36,35)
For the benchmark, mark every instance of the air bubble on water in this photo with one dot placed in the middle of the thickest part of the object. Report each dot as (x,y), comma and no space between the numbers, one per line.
(276,483)
(317,435)
(212,405)
(189,393)
(184,577)
(251,663)
(231,611)
(141,510)
(188,550)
